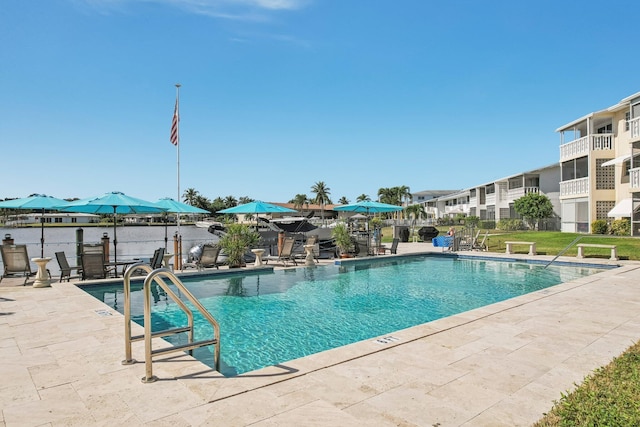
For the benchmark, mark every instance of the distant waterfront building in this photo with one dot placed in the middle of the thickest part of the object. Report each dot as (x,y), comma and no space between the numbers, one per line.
(51,218)
(494,200)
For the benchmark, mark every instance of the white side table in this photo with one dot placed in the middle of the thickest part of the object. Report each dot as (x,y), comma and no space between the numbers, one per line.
(258,253)
(308,260)
(42,276)
(165,260)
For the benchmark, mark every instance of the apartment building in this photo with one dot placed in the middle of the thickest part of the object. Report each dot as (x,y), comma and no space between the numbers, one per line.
(494,200)
(600,167)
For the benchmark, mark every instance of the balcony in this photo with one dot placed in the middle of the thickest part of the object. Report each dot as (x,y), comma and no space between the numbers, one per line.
(516,193)
(634,179)
(491,199)
(582,146)
(634,128)
(574,188)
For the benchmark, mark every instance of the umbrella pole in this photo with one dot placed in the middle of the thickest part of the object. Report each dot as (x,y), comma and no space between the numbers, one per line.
(115,239)
(42,234)
(166,239)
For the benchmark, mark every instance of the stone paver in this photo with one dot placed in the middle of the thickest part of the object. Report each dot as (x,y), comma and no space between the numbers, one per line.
(501,365)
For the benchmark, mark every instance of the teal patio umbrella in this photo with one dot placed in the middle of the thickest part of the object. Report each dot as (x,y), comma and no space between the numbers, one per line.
(173,206)
(40,202)
(112,203)
(256,207)
(368,207)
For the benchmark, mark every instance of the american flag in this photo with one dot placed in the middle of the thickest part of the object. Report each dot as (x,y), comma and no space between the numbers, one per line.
(174,126)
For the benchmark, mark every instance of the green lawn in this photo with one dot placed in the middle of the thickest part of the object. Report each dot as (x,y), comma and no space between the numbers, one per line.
(552,242)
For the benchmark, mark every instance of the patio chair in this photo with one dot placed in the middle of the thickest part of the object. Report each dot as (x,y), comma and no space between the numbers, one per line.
(392,250)
(156,260)
(93,266)
(65,269)
(208,258)
(98,248)
(286,253)
(16,261)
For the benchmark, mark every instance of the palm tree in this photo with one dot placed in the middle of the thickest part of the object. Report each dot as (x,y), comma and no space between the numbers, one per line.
(363,198)
(416,211)
(230,202)
(201,202)
(299,201)
(343,201)
(404,193)
(190,195)
(322,195)
(244,200)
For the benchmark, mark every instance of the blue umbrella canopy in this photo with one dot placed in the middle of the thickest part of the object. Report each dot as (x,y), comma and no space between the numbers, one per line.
(35,202)
(114,203)
(368,207)
(256,207)
(174,206)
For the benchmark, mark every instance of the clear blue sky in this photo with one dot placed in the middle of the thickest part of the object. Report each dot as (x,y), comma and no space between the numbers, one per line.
(279,94)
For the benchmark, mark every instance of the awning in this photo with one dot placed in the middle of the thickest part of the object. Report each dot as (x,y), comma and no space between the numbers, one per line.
(617,161)
(622,209)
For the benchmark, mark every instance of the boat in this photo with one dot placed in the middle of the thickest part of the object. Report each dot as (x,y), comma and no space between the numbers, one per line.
(208,222)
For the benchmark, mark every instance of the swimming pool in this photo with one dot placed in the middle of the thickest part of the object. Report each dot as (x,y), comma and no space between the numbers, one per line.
(272,317)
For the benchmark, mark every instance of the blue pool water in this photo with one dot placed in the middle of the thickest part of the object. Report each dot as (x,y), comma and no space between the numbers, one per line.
(272,317)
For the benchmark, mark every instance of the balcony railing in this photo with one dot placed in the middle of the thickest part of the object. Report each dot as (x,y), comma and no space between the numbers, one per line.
(581,146)
(575,187)
(516,193)
(490,199)
(634,128)
(634,179)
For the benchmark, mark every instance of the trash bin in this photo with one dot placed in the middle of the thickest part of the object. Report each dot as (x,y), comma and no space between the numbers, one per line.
(401,232)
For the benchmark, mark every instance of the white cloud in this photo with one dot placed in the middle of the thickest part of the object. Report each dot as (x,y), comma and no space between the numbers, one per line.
(253,10)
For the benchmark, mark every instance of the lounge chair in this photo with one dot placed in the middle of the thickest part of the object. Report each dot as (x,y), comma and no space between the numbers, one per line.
(482,245)
(16,261)
(93,266)
(286,253)
(208,258)
(65,269)
(392,250)
(444,242)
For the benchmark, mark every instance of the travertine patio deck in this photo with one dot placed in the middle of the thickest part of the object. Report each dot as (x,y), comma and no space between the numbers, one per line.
(500,365)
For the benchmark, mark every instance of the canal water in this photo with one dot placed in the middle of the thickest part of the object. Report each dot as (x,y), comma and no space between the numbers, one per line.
(133,241)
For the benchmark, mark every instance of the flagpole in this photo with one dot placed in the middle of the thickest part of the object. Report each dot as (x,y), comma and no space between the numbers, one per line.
(178,150)
(175,140)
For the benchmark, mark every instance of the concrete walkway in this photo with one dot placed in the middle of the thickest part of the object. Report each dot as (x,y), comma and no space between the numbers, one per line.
(500,365)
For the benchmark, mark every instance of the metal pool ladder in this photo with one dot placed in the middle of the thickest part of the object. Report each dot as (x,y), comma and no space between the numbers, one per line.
(157,276)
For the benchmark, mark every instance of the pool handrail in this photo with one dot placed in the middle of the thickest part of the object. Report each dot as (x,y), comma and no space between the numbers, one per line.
(576,240)
(156,275)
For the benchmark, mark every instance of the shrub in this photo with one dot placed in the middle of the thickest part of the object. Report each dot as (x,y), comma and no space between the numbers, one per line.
(510,225)
(621,227)
(472,221)
(599,226)
(490,225)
